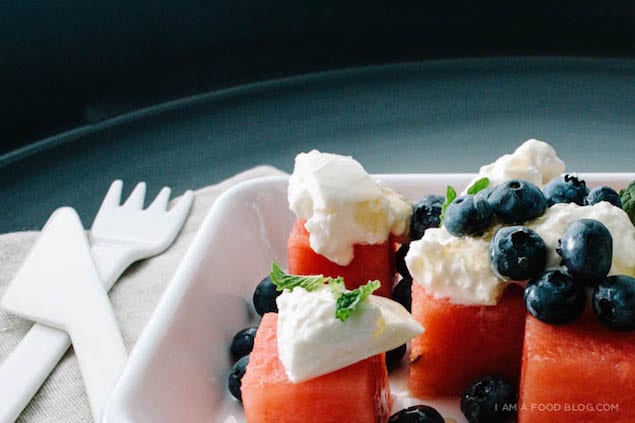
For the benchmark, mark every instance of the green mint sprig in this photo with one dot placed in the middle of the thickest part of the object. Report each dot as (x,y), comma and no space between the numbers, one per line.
(627,196)
(283,280)
(346,301)
(450,195)
(478,185)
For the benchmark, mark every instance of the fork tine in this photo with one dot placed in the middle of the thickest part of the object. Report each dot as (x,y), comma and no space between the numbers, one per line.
(182,208)
(161,200)
(111,201)
(137,196)
(113,196)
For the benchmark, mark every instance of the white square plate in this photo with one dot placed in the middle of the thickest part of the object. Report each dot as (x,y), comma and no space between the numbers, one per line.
(178,369)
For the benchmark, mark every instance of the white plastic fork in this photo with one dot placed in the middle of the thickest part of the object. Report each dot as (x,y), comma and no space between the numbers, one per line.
(120,235)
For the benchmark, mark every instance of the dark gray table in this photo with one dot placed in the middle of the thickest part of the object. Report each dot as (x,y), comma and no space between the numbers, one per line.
(438,116)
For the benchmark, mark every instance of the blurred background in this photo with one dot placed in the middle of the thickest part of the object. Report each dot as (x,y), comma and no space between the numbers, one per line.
(66,63)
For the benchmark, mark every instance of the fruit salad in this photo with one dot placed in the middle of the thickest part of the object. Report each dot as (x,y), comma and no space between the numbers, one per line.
(501,293)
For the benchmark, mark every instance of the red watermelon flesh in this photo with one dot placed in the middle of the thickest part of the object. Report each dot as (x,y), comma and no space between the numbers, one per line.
(371,262)
(359,393)
(462,343)
(578,372)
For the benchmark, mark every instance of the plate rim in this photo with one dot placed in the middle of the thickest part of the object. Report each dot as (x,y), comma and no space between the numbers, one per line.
(516,63)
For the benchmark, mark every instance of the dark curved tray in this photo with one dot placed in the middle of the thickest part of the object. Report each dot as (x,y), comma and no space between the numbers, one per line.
(437,116)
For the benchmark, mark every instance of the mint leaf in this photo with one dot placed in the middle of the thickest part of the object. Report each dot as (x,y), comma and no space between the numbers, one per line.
(348,301)
(284,280)
(337,286)
(450,195)
(478,185)
(627,196)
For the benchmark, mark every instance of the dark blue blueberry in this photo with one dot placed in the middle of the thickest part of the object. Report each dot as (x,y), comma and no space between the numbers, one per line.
(517,253)
(566,188)
(489,400)
(555,297)
(426,213)
(400,262)
(517,201)
(586,249)
(614,302)
(417,414)
(603,193)
(394,356)
(484,193)
(468,215)
(243,342)
(234,381)
(402,292)
(264,297)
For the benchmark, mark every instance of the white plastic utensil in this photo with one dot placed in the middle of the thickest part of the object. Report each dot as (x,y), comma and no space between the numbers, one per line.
(58,285)
(120,235)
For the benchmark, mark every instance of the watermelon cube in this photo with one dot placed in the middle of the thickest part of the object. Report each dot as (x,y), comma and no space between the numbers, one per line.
(578,372)
(371,262)
(462,343)
(358,393)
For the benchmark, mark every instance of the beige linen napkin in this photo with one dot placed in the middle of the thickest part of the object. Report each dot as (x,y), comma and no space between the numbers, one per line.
(134,297)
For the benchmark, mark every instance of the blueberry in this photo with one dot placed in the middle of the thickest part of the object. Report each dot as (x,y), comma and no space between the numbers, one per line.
(603,193)
(517,201)
(489,400)
(402,292)
(484,194)
(394,356)
(426,213)
(234,381)
(400,262)
(614,302)
(566,188)
(555,297)
(586,249)
(517,253)
(468,215)
(417,414)
(264,297)
(243,342)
